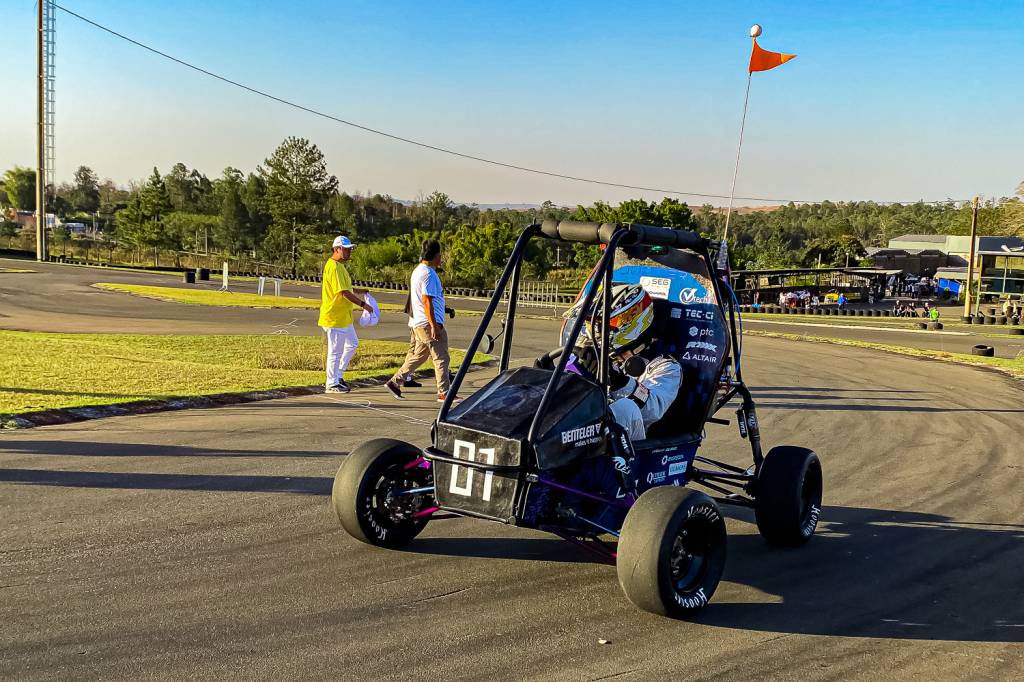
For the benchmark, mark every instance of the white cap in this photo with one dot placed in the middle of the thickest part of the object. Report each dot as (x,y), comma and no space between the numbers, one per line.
(343,242)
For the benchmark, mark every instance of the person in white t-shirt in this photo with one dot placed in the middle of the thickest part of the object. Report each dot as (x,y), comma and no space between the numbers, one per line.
(426,319)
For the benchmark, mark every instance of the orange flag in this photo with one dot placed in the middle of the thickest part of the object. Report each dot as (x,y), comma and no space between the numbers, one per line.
(762,60)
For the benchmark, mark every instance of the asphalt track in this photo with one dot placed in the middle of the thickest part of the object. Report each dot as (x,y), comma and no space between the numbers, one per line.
(201,544)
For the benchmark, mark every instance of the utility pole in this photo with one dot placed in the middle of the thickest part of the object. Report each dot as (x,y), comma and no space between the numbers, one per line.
(970,261)
(41,250)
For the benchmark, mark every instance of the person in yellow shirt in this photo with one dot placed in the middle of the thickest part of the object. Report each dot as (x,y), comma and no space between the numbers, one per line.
(336,303)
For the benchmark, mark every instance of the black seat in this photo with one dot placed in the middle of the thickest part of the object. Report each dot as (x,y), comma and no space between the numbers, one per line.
(700,345)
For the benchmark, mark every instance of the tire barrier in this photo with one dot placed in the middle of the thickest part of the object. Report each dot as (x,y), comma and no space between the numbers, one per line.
(922,325)
(968,319)
(1001,319)
(1017,331)
(935,326)
(189,277)
(983,350)
(989,319)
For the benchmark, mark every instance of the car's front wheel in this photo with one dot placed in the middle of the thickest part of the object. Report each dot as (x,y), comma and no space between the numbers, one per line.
(671,551)
(369,493)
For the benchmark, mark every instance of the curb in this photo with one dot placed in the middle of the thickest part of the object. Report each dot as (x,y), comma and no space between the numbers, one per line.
(70,415)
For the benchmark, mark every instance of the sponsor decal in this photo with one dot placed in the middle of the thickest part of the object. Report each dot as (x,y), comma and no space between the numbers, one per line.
(655,477)
(657,287)
(668,459)
(699,357)
(621,465)
(581,435)
(692,314)
(677,469)
(691,295)
(676,313)
(693,330)
(704,345)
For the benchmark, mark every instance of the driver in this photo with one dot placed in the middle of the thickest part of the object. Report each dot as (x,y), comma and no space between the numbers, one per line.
(644,383)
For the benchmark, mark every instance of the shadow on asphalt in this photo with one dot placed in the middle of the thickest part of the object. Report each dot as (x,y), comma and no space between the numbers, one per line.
(78,448)
(524,549)
(306,485)
(881,573)
(867,573)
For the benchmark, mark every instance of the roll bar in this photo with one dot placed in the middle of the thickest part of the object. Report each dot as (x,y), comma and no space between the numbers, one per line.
(636,234)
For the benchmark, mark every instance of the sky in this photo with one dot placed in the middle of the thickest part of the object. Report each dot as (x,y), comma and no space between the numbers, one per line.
(889,101)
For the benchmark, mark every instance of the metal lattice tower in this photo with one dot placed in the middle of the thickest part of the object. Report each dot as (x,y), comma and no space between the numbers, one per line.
(49,62)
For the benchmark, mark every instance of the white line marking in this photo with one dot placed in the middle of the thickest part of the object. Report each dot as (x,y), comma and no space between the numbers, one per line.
(855,326)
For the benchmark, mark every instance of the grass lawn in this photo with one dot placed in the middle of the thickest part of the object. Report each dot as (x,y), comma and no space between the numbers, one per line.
(1011,366)
(40,371)
(12,271)
(223,298)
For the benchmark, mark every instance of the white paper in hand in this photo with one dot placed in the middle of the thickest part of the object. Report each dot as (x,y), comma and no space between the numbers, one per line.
(368,319)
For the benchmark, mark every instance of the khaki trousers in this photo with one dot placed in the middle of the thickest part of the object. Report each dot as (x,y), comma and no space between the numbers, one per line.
(420,348)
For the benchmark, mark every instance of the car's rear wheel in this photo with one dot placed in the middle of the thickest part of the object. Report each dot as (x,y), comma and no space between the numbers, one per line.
(365,493)
(788,496)
(671,551)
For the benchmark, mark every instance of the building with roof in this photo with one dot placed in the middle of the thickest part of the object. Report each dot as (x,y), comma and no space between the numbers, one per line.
(999,260)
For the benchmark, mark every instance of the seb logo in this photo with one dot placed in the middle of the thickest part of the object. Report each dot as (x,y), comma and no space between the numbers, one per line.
(468,451)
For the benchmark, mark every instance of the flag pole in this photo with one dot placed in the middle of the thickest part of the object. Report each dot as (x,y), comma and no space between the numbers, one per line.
(739,148)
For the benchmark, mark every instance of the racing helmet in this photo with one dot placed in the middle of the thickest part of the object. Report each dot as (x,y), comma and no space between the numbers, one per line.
(630,319)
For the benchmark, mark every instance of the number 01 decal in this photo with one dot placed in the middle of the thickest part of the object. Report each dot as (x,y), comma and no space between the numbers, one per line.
(467,451)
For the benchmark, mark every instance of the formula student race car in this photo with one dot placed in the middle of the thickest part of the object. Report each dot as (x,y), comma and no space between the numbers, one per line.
(539,446)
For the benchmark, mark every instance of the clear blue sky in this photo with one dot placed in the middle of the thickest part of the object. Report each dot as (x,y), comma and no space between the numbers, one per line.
(886,100)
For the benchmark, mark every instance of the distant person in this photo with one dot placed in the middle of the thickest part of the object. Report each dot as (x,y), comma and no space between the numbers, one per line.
(336,302)
(426,319)
(933,313)
(842,301)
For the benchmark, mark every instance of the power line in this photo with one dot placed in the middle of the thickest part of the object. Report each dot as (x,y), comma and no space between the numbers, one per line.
(436,148)
(399,138)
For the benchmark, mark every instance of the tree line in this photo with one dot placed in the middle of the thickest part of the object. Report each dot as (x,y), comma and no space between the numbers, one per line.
(286,211)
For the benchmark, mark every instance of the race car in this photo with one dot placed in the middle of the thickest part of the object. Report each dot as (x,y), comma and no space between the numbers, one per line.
(541,447)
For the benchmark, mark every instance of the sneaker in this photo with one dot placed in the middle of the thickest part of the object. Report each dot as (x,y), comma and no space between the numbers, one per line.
(345,388)
(411,383)
(393,389)
(334,389)
(442,396)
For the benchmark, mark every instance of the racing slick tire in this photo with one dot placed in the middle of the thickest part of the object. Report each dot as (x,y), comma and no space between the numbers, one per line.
(361,493)
(671,551)
(788,500)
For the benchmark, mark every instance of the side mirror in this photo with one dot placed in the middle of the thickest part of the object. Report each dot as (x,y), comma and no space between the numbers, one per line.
(487,345)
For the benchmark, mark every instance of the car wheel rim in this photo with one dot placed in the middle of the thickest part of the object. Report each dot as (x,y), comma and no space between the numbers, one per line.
(396,510)
(688,559)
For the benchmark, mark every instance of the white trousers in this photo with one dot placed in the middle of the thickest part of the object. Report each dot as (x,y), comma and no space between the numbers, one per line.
(341,346)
